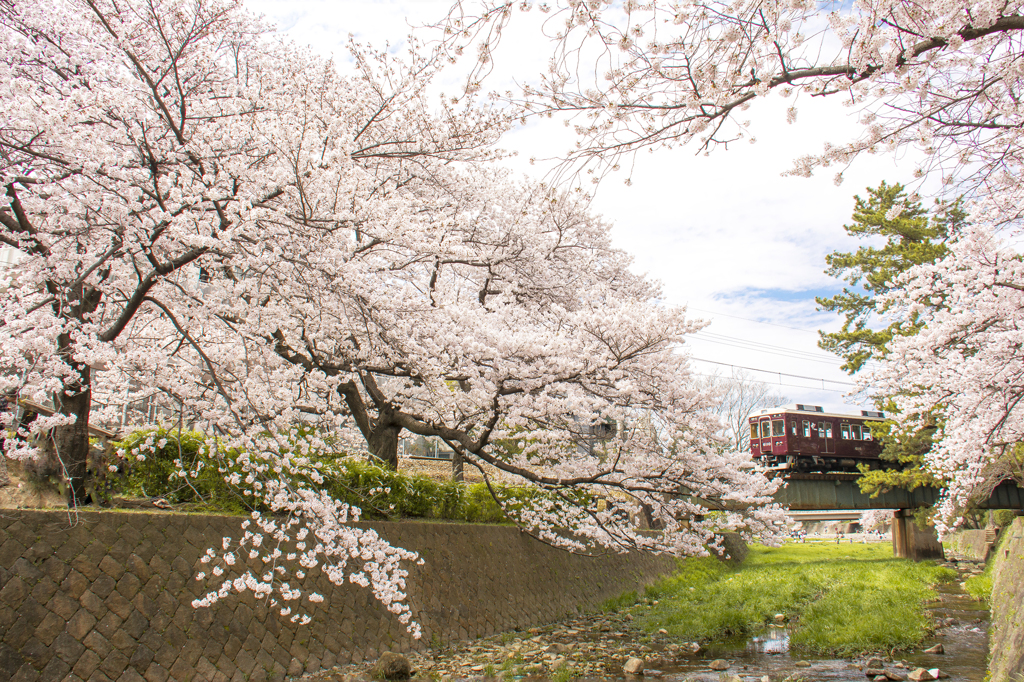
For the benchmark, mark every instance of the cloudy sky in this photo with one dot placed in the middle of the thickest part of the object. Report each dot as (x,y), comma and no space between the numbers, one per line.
(728,237)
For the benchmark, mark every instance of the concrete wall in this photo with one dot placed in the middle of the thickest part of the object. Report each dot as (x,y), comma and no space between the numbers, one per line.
(105,596)
(1006,638)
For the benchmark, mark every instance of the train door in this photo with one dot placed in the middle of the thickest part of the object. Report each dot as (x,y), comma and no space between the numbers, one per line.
(766,436)
(830,442)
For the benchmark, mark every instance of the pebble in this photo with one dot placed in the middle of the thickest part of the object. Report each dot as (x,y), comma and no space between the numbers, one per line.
(634,666)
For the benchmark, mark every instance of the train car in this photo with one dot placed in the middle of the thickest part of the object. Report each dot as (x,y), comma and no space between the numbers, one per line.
(805,438)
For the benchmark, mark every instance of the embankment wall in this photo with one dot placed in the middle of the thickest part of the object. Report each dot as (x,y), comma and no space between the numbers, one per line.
(1006,637)
(971,543)
(106,596)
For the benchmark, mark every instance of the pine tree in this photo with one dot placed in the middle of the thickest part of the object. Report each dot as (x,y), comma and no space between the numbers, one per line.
(913,237)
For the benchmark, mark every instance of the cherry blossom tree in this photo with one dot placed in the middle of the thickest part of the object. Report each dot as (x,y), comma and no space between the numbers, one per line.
(150,147)
(933,81)
(140,144)
(965,366)
(940,77)
(293,260)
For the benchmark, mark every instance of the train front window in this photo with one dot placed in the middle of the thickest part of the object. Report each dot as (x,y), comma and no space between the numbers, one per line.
(792,428)
(753,431)
(855,430)
(844,431)
(807,429)
(778,427)
(766,429)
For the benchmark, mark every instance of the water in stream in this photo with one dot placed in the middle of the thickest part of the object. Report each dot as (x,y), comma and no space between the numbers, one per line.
(962,629)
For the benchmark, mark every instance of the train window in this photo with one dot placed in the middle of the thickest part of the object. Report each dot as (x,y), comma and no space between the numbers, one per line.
(828,429)
(807,429)
(844,431)
(778,427)
(766,429)
(753,431)
(867,432)
(855,430)
(792,428)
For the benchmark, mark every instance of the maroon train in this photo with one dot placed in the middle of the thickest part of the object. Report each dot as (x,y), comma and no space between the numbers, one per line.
(809,439)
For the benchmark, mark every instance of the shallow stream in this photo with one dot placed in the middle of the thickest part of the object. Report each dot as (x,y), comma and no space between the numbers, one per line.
(961,627)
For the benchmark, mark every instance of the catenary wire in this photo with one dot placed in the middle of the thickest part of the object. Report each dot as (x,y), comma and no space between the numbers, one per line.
(781,374)
(808,388)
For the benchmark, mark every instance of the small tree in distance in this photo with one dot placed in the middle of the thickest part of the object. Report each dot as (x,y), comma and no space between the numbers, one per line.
(740,395)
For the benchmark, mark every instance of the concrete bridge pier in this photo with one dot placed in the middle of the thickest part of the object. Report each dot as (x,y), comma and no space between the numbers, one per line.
(910,542)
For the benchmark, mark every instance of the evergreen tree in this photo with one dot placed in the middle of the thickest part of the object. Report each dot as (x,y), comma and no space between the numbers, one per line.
(912,237)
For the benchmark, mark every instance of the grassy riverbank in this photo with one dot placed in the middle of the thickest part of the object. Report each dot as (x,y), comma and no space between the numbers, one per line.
(837,599)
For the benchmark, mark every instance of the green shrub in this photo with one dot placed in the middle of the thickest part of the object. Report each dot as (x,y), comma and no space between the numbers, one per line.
(191,469)
(179,467)
(1003,517)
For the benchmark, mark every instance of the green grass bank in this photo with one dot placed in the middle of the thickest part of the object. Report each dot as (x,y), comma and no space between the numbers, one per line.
(838,600)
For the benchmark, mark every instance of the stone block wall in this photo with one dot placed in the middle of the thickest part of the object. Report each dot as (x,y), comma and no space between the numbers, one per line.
(1006,637)
(970,543)
(106,596)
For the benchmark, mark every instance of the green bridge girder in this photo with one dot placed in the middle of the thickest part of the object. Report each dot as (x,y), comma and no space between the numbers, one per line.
(809,492)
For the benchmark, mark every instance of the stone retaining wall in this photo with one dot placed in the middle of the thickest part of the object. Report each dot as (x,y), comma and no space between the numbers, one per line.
(970,543)
(1006,638)
(104,596)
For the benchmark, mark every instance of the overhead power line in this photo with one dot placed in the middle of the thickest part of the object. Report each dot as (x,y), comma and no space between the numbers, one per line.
(827,390)
(748,319)
(781,374)
(757,346)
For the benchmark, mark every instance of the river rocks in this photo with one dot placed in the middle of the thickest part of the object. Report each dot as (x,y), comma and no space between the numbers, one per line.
(392,666)
(937,649)
(873,672)
(921,675)
(634,666)
(602,646)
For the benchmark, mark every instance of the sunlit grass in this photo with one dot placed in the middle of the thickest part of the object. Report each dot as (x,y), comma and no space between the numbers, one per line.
(838,599)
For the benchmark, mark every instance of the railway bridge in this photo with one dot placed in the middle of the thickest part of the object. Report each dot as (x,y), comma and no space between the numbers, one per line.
(840,492)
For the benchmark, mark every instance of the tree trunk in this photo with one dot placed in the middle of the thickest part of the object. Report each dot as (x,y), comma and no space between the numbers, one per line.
(457,474)
(383,444)
(71,443)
